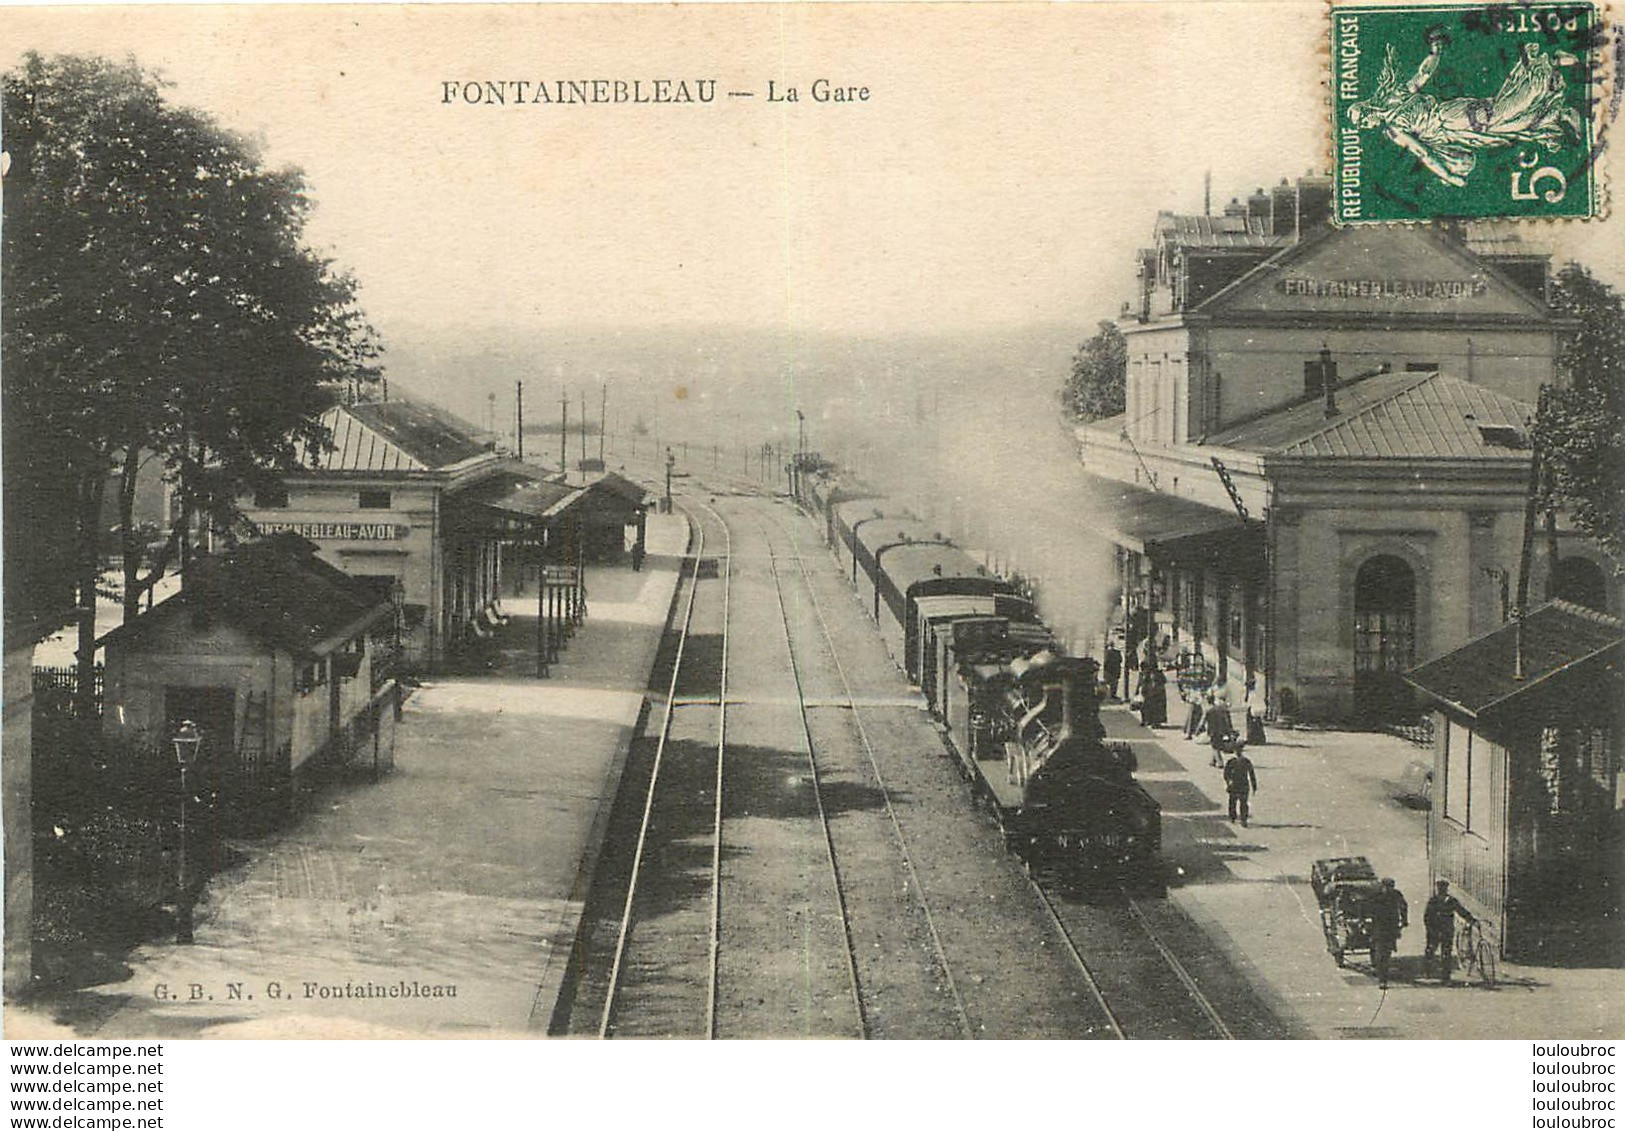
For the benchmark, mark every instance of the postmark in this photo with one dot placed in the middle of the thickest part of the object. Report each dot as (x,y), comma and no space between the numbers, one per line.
(1464,111)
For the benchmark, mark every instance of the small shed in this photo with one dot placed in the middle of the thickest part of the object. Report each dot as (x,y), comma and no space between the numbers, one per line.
(268,651)
(1528,815)
(613,515)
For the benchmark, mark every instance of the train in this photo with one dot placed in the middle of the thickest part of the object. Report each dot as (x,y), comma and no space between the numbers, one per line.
(1021,718)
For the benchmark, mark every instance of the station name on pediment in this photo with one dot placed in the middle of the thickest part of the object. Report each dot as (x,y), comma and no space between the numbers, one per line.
(1398,289)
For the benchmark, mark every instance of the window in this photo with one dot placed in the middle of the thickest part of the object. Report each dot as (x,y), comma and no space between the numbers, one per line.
(1421,367)
(271,497)
(374,499)
(310,676)
(1458,774)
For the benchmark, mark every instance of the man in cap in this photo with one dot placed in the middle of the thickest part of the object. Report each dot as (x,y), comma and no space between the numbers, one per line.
(1389,916)
(1439,918)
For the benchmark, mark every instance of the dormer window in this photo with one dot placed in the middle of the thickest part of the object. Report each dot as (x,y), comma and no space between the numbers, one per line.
(1502,436)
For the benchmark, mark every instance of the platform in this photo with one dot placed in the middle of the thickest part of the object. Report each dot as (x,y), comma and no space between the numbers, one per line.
(442,900)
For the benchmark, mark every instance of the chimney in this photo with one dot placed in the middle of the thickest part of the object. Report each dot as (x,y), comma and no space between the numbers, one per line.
(1207,193)
(1314,204)
(1235,208)
(1258,208)
(1283,210)
(1328,379)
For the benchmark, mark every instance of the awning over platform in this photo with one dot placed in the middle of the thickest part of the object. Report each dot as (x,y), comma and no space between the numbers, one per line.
(1146,521)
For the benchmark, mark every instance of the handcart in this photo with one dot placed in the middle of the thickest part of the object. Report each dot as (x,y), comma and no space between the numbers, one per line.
(1345,887)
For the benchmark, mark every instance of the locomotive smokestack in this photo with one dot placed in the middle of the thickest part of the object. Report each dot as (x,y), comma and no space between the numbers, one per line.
(1077,690)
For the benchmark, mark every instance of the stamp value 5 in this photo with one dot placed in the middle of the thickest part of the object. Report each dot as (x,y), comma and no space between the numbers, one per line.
(1465,111)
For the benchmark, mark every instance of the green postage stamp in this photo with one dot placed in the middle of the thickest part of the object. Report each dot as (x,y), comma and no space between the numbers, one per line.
(1464,111)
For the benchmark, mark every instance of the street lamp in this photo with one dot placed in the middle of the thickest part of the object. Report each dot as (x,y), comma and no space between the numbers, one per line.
(671,462)
(188,741)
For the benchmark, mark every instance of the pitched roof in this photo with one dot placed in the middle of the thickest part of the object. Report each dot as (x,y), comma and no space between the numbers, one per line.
(276,590)
(618,485)
(1424,415)
(1217,231)
(397,435)
(1559,640)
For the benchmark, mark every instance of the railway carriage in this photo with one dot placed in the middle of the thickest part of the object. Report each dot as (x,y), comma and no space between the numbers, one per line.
(825,495)
(1023,721)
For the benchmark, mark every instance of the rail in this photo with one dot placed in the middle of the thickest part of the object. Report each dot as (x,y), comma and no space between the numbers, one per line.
(965,1027)
(818,796)
(623,934)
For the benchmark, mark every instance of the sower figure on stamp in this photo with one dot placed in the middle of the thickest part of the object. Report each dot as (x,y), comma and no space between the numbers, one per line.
(1446,133)
(1240,782)
(1439,918)
(1389,916)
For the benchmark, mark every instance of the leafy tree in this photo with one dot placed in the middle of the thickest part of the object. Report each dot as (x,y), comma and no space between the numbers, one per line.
(158,302)
(1095,388)
(1580,428)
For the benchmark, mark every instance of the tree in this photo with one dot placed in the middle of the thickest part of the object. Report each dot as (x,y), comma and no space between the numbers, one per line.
(1095,388)
(1580,427)
(158,303)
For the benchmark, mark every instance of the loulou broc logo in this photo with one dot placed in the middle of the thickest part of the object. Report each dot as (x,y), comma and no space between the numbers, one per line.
(1464,112)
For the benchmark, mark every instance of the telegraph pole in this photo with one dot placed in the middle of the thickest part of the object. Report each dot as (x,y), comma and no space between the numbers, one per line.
(519,417)
(564,434)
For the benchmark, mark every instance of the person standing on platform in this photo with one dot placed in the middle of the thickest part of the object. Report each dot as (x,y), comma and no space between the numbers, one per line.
(1154,709)
(1439,919)
(1240,782)
(1220,727)
(1113,668)
(1389,916)
(1252,707)
(1194,717)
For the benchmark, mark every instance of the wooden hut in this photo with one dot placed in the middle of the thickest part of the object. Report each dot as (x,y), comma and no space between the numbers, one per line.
(268,651)
(1528,815)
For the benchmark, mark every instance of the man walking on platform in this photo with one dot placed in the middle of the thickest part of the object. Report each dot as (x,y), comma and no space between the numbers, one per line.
(1389,916)
(1439,918)
(1240,780)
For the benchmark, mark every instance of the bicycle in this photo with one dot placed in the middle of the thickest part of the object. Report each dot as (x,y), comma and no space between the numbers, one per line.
(1476,951)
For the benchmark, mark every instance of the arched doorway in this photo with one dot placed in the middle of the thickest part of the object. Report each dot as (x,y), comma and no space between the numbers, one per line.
(1384,638)
(1581,581)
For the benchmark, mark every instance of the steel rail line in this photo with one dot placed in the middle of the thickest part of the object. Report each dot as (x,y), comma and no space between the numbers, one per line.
(715,943)
(818,796)
(1178,967)
(965,1026)
(605,1021)
(1077,957)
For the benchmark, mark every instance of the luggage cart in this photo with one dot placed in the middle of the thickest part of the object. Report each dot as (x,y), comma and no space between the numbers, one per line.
(1344,888)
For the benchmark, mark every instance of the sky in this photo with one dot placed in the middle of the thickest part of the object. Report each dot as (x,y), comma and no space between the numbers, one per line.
(1006,163)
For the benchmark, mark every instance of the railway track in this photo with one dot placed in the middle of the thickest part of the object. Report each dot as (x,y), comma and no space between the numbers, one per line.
(715,888)
(902,995)
(768,900)
(663,971)
(1147,970)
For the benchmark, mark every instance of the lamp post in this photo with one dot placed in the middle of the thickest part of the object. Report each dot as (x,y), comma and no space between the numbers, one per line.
(671,462)
(188,741)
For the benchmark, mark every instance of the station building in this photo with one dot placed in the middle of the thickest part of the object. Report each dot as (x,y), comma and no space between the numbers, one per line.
(1320,476)
(404,499)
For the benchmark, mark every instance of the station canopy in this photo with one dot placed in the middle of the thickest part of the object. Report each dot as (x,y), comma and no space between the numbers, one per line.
(1147,521)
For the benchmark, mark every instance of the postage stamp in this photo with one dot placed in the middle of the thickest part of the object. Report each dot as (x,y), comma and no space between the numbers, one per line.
(1464,111)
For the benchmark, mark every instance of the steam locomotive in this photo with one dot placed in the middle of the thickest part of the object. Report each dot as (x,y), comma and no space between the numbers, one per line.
(1022,719)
